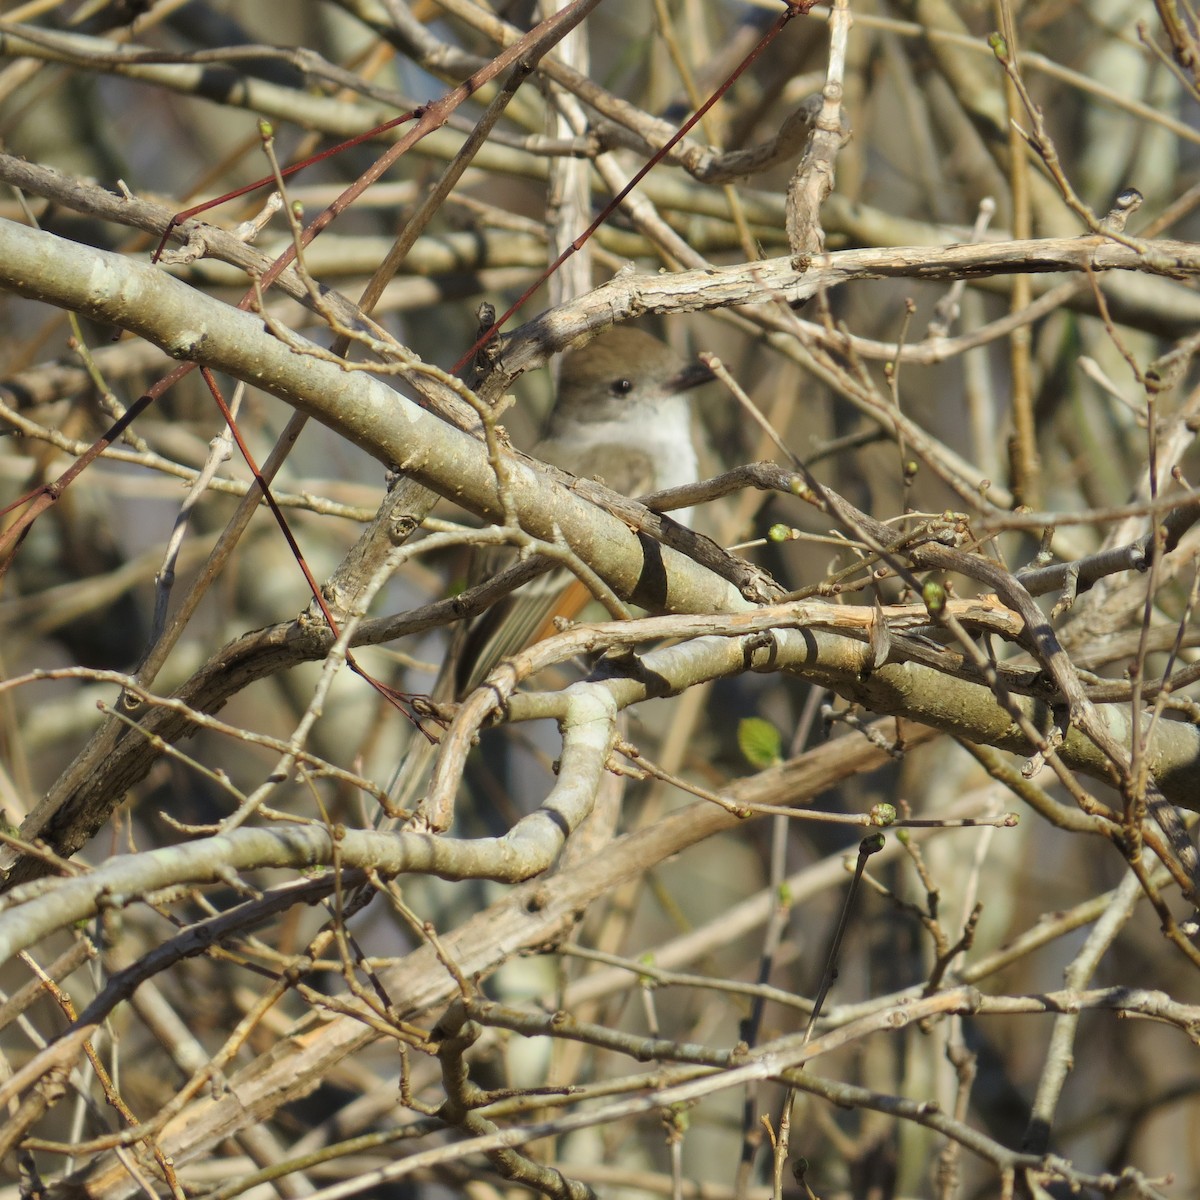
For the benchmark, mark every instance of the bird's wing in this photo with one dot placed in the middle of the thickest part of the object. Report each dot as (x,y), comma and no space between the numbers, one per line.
(527,616)
(629,470)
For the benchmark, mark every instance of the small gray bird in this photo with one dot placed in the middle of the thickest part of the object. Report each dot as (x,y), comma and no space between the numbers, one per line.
(622,416)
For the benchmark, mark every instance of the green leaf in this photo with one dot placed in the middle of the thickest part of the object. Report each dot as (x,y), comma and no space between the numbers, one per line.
(760,742)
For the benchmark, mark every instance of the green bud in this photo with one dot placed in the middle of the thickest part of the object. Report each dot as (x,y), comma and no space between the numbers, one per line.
(934,595)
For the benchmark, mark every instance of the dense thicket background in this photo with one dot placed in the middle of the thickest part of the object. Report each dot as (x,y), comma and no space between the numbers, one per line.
(1014,1004)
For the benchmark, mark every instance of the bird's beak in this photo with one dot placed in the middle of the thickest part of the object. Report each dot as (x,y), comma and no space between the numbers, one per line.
(692,376)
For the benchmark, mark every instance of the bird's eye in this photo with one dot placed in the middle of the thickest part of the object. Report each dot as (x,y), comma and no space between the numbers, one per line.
(621,387)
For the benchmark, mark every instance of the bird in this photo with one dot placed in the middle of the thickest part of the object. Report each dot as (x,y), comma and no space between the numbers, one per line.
(623,415)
